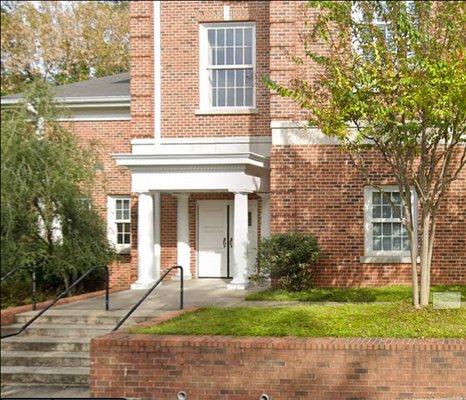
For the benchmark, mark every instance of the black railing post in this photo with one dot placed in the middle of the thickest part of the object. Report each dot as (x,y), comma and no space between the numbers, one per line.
(33,287)
(149,291)
(51,304)
(181,286)
(107,287)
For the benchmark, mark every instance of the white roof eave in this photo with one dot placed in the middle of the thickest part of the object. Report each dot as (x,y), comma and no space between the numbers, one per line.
(227,159)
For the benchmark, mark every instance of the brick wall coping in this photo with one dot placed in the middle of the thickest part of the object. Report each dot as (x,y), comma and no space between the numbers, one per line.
(144,342)
(7,315)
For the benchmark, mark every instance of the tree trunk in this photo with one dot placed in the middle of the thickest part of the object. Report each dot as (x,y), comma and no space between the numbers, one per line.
(425,261)
(414,275)
(66,280)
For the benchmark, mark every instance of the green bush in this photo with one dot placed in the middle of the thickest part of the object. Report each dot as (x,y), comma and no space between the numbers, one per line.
(287,260)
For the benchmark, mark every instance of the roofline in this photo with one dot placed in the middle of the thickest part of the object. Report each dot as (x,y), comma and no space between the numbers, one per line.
(121,100)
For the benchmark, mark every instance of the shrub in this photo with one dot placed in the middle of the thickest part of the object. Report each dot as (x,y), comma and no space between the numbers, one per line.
(286,259)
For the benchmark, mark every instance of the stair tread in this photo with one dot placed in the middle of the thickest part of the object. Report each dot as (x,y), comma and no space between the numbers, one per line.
(46,370)
(94,313)
(45,354)
(47,339)
(97,327)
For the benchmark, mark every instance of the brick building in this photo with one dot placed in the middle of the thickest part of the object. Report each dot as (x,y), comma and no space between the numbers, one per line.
(200,160)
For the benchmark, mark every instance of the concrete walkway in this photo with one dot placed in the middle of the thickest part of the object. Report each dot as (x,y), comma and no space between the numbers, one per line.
(197,292)
(90,317)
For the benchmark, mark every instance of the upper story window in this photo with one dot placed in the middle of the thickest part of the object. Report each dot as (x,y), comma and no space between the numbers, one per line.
(385,234)
(227,66)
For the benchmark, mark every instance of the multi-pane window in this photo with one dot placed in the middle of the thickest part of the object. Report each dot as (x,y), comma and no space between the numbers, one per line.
(385,233)
(119,222)
(227,62)
(388,233)
(123,221)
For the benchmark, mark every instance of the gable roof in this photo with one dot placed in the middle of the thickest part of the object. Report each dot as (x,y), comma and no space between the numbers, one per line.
(96,90)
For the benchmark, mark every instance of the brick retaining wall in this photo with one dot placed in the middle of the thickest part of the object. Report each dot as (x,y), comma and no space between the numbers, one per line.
(234,368)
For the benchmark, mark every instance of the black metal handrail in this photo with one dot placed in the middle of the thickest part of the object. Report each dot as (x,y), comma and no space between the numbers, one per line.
(64,293)
(12,271)
(32,269)
(150,290)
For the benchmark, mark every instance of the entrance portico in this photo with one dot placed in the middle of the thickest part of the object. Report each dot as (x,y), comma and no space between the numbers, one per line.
(238,176)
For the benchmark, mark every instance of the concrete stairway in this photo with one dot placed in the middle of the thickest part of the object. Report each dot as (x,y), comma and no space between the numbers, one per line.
(54,350)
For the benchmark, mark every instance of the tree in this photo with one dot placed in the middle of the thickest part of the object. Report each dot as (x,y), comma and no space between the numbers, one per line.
(392,80)
(47,216)
(62,41)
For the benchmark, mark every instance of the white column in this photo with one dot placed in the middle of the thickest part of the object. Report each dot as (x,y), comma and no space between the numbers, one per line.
(265,215)
(146,259)
(240,242)
(157,235)
(183,250)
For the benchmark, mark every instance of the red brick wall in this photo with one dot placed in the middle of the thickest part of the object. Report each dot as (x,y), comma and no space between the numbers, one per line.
(287,30)
(142,69)
(108,137)
(233,368)
(316,189)
(180,71)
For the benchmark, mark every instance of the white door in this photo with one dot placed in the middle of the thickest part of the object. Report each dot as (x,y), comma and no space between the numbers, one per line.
(213,238)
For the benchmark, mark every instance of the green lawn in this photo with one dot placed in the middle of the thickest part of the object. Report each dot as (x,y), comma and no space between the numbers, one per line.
(397,320)
(343,295)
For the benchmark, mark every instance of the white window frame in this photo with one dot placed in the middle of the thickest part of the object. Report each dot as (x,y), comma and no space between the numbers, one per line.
(394,256)
(357,17)
(112,229)
(205,101)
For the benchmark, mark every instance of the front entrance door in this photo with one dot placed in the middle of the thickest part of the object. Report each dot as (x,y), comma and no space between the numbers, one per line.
(215,235)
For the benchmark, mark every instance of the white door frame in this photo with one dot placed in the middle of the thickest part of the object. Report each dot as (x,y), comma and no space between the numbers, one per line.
(253,208)
(229,234)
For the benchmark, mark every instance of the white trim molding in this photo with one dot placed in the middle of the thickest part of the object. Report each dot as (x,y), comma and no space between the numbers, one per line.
(227,111)
(96,101)
(289,133)
(103,108)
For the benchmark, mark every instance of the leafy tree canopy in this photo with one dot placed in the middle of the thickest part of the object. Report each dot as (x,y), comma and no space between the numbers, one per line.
(62,41)
(47,216)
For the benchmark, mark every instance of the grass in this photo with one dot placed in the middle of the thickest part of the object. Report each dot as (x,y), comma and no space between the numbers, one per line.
(397,320)
(357,295)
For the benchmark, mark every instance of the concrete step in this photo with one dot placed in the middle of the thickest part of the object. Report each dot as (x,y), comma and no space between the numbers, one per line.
(66,317)
(45,359)
(45,343)
(57,391)
(78,376)
(65,330)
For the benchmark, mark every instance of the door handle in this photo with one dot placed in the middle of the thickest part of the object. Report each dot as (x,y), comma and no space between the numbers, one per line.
(224,242)
(231,242)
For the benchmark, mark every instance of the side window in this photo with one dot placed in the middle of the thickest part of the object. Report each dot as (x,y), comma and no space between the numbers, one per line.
(385,233)
(119,223)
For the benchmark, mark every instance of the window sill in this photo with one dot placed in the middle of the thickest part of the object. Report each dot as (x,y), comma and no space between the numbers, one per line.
(227,111)
(385,259)
(123,249)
